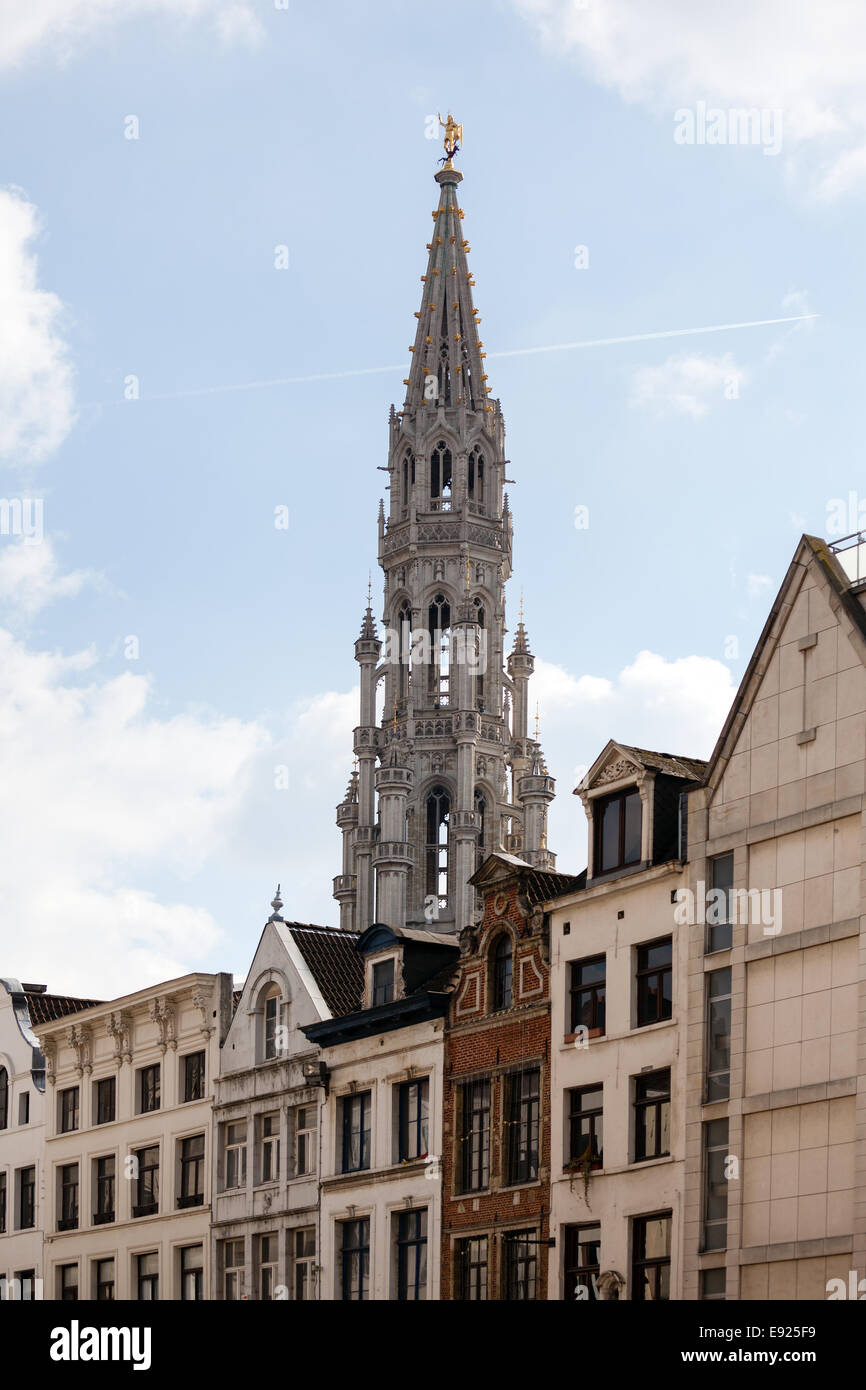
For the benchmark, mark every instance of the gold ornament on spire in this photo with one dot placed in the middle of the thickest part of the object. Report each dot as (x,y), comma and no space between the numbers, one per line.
(536,723)
(452,139)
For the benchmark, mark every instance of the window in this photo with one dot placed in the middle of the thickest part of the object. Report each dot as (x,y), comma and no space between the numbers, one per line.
(26,1279)
(236,1155)
(191,1172)
(233,1270)
(588,995)
(69,1110)
(475,1135)
(413,1120)
(106,1100)
(105,1281)
(719,928)
(4,1098)
(651,1257)
(480,807)
(502,979)
(440,460)
(715,1185)
(355,1260)
(26,1198)
(476,476)
(652,1115)
(523,1094)
(520,1251)
(586,1126)
(654,981)
(67,1282)
(271,1147)
(617,831)
(104,1190)
(24,1108)
(304,1262)
(582,1261)
(272,1022)
(438,816)
(147,1277)
(193,1076)
(471,1269)
(148,1089)
(719,1034)
(2,1203)
(305,1140)
(713,1284)
(267,1266)
(147,1181)
(68,1218)
(383,982)
(192,1274)
(411,1239)
(356,1132)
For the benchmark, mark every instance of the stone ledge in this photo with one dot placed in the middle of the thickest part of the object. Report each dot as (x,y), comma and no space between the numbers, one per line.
(801,940)
(800,1095)
(796,1250)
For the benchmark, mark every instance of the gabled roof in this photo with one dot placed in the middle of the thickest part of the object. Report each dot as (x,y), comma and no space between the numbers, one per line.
(670,764)
(538,884)
(334,963)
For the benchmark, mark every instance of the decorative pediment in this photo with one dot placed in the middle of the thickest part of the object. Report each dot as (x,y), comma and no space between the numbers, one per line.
(615,771)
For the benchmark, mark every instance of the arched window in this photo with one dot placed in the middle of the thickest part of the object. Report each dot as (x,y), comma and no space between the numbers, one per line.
(438,816)
(4,1097)
(476,477)
(408,479)
(481,814)
(439,626)
(501,991)
(404,628)
(271,1032)
(440,477)
(480,654)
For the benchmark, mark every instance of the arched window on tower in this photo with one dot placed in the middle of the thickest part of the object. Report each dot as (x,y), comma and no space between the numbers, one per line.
(481,817)
(475,480)
(408,481)
(480,656)
(438,818)
(501,973)
(439,627)
(444,372)
(440,478)
(4,1097)
(404,631)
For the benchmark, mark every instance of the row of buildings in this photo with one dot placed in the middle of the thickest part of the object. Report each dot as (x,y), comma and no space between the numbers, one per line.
(494,1080)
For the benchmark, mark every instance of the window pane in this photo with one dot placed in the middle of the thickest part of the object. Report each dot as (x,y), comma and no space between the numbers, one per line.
(610,835)
(631,848)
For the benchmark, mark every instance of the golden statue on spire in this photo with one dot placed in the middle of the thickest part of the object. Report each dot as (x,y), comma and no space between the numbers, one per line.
(452,139)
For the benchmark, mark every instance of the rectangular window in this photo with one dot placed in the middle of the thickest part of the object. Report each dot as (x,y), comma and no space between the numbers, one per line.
(617,831)
(26,1198)
(719,928)
(233,1270)
(713,1283)
(193,1076)
(652,1115)
(715,1185)
(26,1279)
(383,982)
(305,1140)
(588,995)
(586,1126)
(654,981)
(69,1110)
(651,1257)
(2,1203)
(719,1034)
(413,1120)
(147,1182)
(68,1219)
(356,1132)
(147,1277)
(582,1262)
(304,1262)
(236,1155)
(475,1136)
(105,1281)
(191,1172)
(271,1147)
(106,1100)
(268,1264)
(67,1290)
(521,1253)
(272,1019)
(24,1108)
(355,1260)
(105,1170)
(471,1269)
(523,1123)
(411,1238)
(148,1089)
(192,1274)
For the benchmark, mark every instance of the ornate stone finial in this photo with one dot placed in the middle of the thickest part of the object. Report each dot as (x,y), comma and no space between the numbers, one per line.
(451,140)
(276,904)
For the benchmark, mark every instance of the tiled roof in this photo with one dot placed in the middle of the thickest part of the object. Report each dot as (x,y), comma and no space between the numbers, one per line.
(671,763)
(334,963)
(541,885)
(45,1008)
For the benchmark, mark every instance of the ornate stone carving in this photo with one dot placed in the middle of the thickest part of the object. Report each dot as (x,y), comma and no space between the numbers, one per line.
(623,767)
(119,1027)
(80,1040)
(202,1001)
(162,1014)
(49,1052)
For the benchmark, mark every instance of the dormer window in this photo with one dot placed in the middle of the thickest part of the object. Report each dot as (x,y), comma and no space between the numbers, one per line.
(618,831)
(383,982)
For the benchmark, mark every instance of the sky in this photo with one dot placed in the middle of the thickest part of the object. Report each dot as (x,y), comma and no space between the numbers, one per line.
(213,216)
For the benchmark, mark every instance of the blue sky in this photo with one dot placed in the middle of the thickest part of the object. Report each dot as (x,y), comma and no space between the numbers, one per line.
(147,832)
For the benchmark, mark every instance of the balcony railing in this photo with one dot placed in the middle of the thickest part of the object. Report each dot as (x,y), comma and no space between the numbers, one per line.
(850,551)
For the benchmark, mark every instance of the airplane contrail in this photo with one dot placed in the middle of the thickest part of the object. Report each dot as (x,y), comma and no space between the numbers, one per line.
(512,352)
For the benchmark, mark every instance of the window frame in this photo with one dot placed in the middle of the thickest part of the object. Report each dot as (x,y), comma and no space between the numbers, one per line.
(644,973)
(726,926)
(595,1126)
(69,1101)
(235,1153)
(524,1120)
(472,1276)
(473,1170)
(105,1085)
(149,1089)
(716,1007)
(142,1208)
(520,1253)
(413,1130)
(600,806)
(104,1183)
(642,1104)
(577,1272)
(355,1257)
(68,1188)
(501,957)
(717,1225)
(592,989)
(191,1189)
(410,1240)
(654,1265)
(360,1103)
(194,1065)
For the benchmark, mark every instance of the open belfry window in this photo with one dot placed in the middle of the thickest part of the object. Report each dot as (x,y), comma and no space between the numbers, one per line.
(439,627)
(617,830)
(438,816)
(440,477)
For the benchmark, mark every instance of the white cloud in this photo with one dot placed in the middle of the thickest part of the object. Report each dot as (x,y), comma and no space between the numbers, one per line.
(36,394)
(807,60)
(686,384)
(758,584)
(30,578)
(57,28)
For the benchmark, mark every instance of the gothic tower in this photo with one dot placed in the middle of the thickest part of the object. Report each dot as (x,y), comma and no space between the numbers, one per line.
(446,773)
